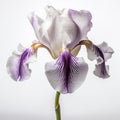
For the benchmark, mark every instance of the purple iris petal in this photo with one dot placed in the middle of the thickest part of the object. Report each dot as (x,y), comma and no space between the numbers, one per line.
(18,65)
(101,53)
(67,73)
(22,67)
(82,20)
(106,50)
(101,69)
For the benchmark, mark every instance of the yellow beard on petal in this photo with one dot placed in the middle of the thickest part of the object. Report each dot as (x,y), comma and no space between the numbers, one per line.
(76,50)
(35,47)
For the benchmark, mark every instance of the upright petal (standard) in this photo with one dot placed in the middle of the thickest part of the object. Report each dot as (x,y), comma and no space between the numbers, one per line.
(82,19)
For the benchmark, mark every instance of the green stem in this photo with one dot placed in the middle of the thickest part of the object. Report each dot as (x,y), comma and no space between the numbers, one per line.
(57,106)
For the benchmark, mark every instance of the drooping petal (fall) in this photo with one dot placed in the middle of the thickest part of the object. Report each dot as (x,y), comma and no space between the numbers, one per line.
(67,73)
(101,70)
(82,19)
(18,64)
(102,50)
(107,51)
(101,53)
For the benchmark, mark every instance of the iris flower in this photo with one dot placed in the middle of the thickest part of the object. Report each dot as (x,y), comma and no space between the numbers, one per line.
(62,33)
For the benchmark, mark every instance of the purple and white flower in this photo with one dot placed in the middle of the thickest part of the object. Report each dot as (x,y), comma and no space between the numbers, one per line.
(62,33)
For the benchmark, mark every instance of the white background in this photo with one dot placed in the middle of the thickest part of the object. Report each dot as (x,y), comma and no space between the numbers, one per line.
(33,99)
